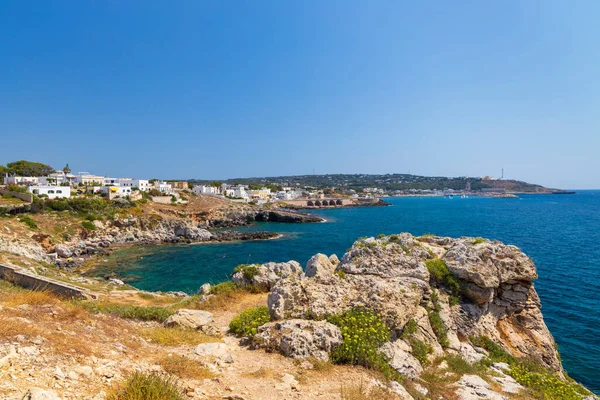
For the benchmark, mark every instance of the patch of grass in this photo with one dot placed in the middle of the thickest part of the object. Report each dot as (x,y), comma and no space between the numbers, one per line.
(460,366)
(543,384)
(362,392)
(437,324)
(159,314)
(175,336)
(420,350)
(29,222)
(224,295)
(31,297)
(440,274)
(340,273)
(88,225)
(140,386)
(185,368)
(248,321)
(381,236)
(11,327)
(410,328)
(477,241)
(248,270)
(363,332)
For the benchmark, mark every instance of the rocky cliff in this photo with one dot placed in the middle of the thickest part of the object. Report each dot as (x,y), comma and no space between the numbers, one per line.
(468,297)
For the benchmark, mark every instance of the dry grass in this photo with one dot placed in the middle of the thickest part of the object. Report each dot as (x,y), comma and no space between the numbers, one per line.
(261,373)
(176,336)
(185,368)
(363,392)
(11,327)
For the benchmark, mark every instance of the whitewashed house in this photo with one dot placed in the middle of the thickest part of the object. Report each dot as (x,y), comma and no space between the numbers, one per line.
(202,189)
(21,180)
(85,178)
(53,192)
(163,187)
(142,184)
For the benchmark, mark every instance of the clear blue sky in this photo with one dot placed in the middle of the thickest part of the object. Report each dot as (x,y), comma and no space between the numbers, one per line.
(218,89)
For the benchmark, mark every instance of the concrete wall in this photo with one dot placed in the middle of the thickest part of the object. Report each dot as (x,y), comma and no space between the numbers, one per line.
(28,197)
(304,202)
(27,279)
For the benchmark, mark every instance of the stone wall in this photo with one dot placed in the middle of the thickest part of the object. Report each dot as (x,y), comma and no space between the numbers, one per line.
(23,196)
(26,279)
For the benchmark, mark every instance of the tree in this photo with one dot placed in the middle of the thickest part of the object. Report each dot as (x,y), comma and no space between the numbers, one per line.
(29,168)
(66,169)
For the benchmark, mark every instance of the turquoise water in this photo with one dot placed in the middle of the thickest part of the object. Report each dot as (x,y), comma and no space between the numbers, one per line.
(561,233)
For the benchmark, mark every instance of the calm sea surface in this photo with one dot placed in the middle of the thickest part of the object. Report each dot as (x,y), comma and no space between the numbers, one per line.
(561,233)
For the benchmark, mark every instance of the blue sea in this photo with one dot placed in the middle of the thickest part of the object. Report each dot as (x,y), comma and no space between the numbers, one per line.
(561,233)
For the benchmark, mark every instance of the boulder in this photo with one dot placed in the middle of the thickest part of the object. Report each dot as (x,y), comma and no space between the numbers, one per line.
(204,289)
(41,394)
(473,387)
(265,276)
(299,338)
(319,265)
(401,360)
(192,319)
(63,251)
(334,259)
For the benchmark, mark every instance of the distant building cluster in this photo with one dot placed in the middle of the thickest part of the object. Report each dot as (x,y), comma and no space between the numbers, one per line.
(59,183)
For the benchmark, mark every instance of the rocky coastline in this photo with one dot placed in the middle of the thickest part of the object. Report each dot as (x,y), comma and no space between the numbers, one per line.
(469,298)
(149,229)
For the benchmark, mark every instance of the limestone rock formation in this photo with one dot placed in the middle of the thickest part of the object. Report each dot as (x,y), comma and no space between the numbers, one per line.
(265,276)
(192,319)
(319,265)
(299,338)
(389,275)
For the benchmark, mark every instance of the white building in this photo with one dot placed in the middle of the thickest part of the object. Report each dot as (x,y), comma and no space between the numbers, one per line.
(201,189)
(163,187)
(21,180)
(142,184)
(116,191)
(53,192)
(85,178)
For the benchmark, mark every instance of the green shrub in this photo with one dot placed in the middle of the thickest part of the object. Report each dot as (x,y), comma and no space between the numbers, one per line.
(363,332)
(88,225)
(153,386)
(248,321)
(439,328)
(542,382)
(158,314)
(249,271)
(440,274)
(394,238)
(477,241)
(409,329)
(381,236)
(546,384)
(420,350)
(224,288)
(58,205)
(340,273)
(29,222)
(496,353)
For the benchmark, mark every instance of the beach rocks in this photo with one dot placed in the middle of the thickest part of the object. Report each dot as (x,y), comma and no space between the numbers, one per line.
(265,276)
(474,387)
(63,251)
(299,338)
(204,289)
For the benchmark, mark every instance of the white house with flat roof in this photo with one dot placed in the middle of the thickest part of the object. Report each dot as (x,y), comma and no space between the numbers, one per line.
(53,192)
(85,178)
(163,187)
(21,180)
(142,184)
(201,189)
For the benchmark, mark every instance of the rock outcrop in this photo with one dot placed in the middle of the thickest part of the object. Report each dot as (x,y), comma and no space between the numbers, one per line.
(265,276)
(299,338)
(389,276)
